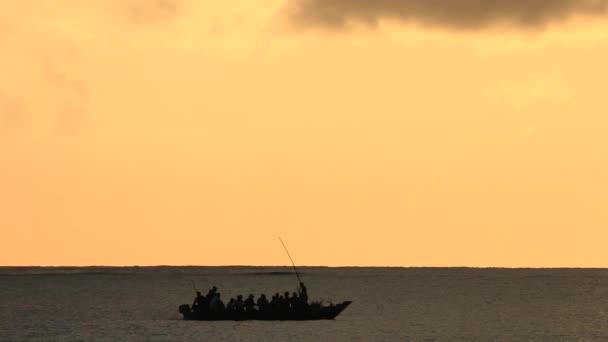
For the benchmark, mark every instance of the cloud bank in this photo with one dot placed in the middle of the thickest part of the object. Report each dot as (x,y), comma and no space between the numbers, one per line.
(458,14)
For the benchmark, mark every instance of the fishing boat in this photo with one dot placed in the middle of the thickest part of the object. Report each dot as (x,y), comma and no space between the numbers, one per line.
(297,310)
(311,312)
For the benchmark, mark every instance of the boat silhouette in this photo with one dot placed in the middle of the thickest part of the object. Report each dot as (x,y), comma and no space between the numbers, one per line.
(295,308)
(315,311)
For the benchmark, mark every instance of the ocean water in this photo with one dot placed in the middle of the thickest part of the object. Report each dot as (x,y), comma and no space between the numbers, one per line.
(389,304)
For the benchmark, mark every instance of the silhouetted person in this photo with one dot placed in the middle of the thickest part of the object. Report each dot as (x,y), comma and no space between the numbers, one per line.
(212,293)
(249,304)
(220,304)
(216,304)
(275,303)
(280,303)
(231,306)
(303,294)
(240,304)
(284,300)
(262,303)
(294,300)
(199,301)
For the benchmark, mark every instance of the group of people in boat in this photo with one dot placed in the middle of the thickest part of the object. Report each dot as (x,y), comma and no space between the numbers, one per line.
(212,302)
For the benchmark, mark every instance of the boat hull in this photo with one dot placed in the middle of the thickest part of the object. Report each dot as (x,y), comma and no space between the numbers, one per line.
(305,314)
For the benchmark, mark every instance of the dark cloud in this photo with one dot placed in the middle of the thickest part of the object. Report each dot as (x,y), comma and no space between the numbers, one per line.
(461,14)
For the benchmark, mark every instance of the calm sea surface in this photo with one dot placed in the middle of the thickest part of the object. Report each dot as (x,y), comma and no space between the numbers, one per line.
(389,304)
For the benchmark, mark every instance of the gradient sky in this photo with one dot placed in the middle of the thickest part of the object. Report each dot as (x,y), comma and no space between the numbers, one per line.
(146,132)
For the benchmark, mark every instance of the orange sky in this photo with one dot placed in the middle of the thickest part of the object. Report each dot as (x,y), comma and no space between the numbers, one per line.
(153,132)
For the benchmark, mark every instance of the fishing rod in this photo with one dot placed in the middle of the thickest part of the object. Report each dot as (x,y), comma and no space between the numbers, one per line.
(194,286)
(292,263)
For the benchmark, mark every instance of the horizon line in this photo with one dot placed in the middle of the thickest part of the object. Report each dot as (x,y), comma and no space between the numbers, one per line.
(305,266)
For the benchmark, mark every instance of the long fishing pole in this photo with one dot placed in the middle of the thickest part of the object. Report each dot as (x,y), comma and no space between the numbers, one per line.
(292,263)
(194,286)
